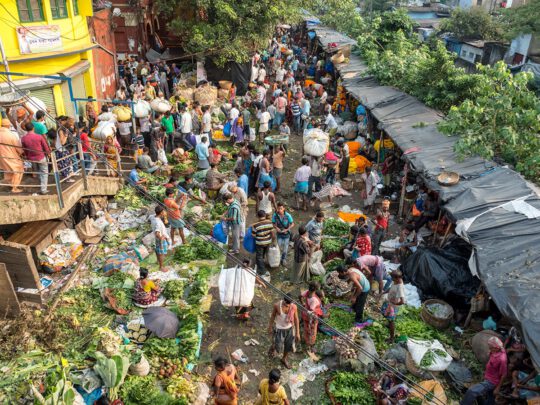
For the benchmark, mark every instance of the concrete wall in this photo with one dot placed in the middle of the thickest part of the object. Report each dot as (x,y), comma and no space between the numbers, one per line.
(19,209)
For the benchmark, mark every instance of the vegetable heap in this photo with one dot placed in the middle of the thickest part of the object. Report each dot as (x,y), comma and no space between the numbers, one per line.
(197,249)
(351,388)
(335,227)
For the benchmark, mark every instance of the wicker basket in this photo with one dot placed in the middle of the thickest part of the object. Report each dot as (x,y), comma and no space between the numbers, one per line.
(225,84)
(439,323)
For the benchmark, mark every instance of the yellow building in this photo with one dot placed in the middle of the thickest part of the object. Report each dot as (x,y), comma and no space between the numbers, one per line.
(48,37)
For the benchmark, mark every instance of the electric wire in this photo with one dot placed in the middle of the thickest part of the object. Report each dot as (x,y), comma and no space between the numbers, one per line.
(191,227)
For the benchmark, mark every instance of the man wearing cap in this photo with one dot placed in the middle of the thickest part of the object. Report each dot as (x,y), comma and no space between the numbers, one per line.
(11,156)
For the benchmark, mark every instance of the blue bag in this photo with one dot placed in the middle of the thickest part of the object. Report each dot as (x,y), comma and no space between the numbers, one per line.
(227,128)
(218,233)
(249,241)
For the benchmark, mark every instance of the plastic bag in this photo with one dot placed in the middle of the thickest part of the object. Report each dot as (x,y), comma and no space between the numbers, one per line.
(142,109)
(419,348)
(218,233)
(316,142)
(274,256)
(103,130)
(227,129)
(315,266)
(249,241)
(236,287)
(162,156)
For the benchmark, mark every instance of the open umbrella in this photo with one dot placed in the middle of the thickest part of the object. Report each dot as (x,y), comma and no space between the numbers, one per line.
(162,322)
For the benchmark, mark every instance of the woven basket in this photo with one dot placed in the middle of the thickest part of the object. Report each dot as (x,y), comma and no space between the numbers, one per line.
(439,323)
(225,84)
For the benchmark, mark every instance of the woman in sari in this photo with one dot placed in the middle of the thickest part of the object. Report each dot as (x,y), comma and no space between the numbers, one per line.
(224,385)
(312,301)
(61,145)
(146,291)
(270,390)
(112,156)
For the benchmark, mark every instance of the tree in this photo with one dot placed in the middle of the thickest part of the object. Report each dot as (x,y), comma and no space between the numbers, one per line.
(524,19)
(501,121)
(472,24)
(229,30)
(342,15)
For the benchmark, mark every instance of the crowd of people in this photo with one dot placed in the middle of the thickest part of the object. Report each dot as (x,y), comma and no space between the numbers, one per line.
(291,91)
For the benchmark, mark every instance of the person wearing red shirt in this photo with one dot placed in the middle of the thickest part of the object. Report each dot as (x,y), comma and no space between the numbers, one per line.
(175,207)
(381,227)
(90,159)
(363,243)
(36,151)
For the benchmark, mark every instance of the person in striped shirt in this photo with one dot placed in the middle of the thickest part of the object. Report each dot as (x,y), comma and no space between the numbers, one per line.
(233,218)
(263,232)
(297,116)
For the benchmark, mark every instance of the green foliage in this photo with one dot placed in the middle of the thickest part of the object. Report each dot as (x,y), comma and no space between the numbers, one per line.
(351,388)
(174,289)
(228,30)
(524,19)
(112,372)
(138,390)
(335,227)
(340,13)
(197,249)
(502,121)
(473,23)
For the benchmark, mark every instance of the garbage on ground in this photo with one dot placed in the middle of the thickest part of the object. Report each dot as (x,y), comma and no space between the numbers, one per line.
(239,355)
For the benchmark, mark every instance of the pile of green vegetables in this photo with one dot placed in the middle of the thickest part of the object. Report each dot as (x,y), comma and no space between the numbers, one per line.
(333,264)
(331,246)
(335,227)
(430,356)
(217,211)
(351,388)
(203,227)
(138,390)
(340,319)
(196,249)
(199,287)
(129,197)
(174,290)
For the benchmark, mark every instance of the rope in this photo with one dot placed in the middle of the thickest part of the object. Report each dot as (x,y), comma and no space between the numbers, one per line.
(191,227)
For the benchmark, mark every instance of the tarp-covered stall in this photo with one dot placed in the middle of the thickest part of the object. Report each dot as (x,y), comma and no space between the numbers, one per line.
(496,210)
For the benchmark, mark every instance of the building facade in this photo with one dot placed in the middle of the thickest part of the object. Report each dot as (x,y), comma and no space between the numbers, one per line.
(49,42)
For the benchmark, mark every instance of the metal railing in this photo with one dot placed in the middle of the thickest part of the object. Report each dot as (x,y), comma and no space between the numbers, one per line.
(64,168)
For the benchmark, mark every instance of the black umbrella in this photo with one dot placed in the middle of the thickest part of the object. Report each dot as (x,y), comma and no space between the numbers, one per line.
(162,322)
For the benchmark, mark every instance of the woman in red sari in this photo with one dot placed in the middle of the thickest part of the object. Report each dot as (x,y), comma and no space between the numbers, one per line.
(312,299)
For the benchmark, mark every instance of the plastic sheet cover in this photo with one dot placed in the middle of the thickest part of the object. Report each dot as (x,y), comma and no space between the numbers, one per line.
(506,244)
(442,273)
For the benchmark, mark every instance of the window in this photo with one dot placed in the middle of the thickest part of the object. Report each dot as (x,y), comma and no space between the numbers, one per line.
(30,10)
(59,9)
(75,7)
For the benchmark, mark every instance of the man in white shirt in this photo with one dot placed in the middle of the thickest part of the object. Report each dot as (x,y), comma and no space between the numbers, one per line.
(280,74)
(261,76)
(322,102)
(163,240)
(331,124)
(186,126)
(234,113)
(206,125)
(264,121)
(261,94)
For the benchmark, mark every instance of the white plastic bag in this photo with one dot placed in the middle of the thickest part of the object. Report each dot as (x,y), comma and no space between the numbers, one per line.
(162,157)
(315,266)
(236,287)
(104,129)
(274,256)
(419,348)
(142,109)
(316,142)
(160,106)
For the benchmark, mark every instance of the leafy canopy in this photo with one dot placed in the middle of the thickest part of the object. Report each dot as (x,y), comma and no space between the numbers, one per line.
(524,19)
(228,30)
(472,24)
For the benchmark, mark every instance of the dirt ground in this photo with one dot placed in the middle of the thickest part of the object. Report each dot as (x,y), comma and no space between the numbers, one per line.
(224,333)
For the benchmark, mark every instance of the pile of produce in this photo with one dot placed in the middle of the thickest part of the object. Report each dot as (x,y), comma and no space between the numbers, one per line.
(217,211)
(138,390)
(331,246)
(174,290)
(343,348)
(129,197)
(333,264)
(340,319)
(350,388)
(203,227)
(430,356)
(196,249)
(199,287)
(336,227)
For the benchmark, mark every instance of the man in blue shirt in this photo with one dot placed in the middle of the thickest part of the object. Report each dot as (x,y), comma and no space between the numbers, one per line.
(243,180)
(135,180)
(202,153)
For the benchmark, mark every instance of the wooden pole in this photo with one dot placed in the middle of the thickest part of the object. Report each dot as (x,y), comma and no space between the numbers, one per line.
(445,234)
(436,227)
(403,189)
